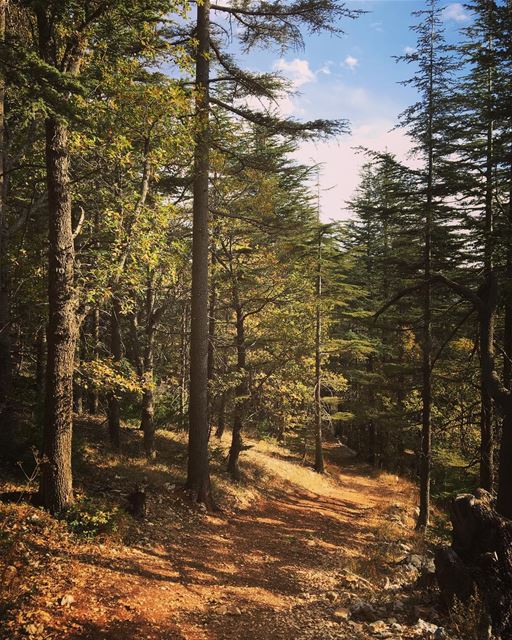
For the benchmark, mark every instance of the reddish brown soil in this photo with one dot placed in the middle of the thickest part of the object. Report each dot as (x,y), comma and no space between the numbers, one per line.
(278,570)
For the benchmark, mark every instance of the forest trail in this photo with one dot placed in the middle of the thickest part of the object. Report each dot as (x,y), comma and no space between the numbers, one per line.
(289,565)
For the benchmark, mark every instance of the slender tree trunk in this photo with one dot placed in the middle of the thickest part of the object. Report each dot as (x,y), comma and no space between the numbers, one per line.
(372,442)
(221,415)
(56,487)
(372,427)
(113,408)
(148,408)
(78,391)
(489,297)
(319,454)
(93,395)
(504,499)
(183,366)
(240,393)
(40,349)
(487,320)
(486,411)
(198,473)
(211,334)
(426,417)
(505,454)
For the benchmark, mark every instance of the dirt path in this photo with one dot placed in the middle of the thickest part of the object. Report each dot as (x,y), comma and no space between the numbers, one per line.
(286,568)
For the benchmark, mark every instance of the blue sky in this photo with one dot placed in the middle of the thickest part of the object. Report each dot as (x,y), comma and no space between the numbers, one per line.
(354,77)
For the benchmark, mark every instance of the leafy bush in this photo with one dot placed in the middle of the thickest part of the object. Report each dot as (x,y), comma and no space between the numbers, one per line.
(88,519)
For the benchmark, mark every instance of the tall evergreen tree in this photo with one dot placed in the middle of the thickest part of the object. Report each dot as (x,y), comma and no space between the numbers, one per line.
(259,24)
(426,122)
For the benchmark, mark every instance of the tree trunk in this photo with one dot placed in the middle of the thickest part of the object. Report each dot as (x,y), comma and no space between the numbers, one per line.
(504,501)
(487,321)
(183,366)
(78,390)
(211,335)
(479,563)
(113,408)
(426,392)
(198,472)
(372,427)
(56,486)
(486,411)
(148,409)
(93,396)
(221,415)
(240,393)
(319,454)
(40,349)
(486,440)
(372,442)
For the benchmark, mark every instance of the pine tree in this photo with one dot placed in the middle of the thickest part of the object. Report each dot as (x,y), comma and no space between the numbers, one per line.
(259,24)
(426,121)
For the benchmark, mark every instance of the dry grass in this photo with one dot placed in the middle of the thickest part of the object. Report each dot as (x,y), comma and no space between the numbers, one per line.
(466,618)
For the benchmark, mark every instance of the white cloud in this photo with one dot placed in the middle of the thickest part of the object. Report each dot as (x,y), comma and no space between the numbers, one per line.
(377,26)
(332,96)
(351,62)
(341,162)
(455,11)
(297,71)
(409,50)
(325,69)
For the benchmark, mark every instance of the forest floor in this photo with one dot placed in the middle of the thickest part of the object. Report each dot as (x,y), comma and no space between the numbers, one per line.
(291,555)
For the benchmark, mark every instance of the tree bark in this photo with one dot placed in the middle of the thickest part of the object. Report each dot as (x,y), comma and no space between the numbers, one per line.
(198,472)
(319,454)
(56,486)
(240,393)
(486,411)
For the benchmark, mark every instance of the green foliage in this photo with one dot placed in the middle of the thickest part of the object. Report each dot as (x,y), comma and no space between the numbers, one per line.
(89,518)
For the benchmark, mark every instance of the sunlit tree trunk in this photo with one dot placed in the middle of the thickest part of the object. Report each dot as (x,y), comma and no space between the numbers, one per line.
(198,472)
(319,454)
(240,393)
(56,477)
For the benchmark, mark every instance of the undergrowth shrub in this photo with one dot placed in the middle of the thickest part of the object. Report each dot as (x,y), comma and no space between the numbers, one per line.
(89,518)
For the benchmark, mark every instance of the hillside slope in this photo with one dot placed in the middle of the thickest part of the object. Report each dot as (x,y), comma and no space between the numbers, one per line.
(292,555)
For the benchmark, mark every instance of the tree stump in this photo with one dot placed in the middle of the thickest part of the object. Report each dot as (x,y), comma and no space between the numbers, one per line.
(137,502)
(479,561)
